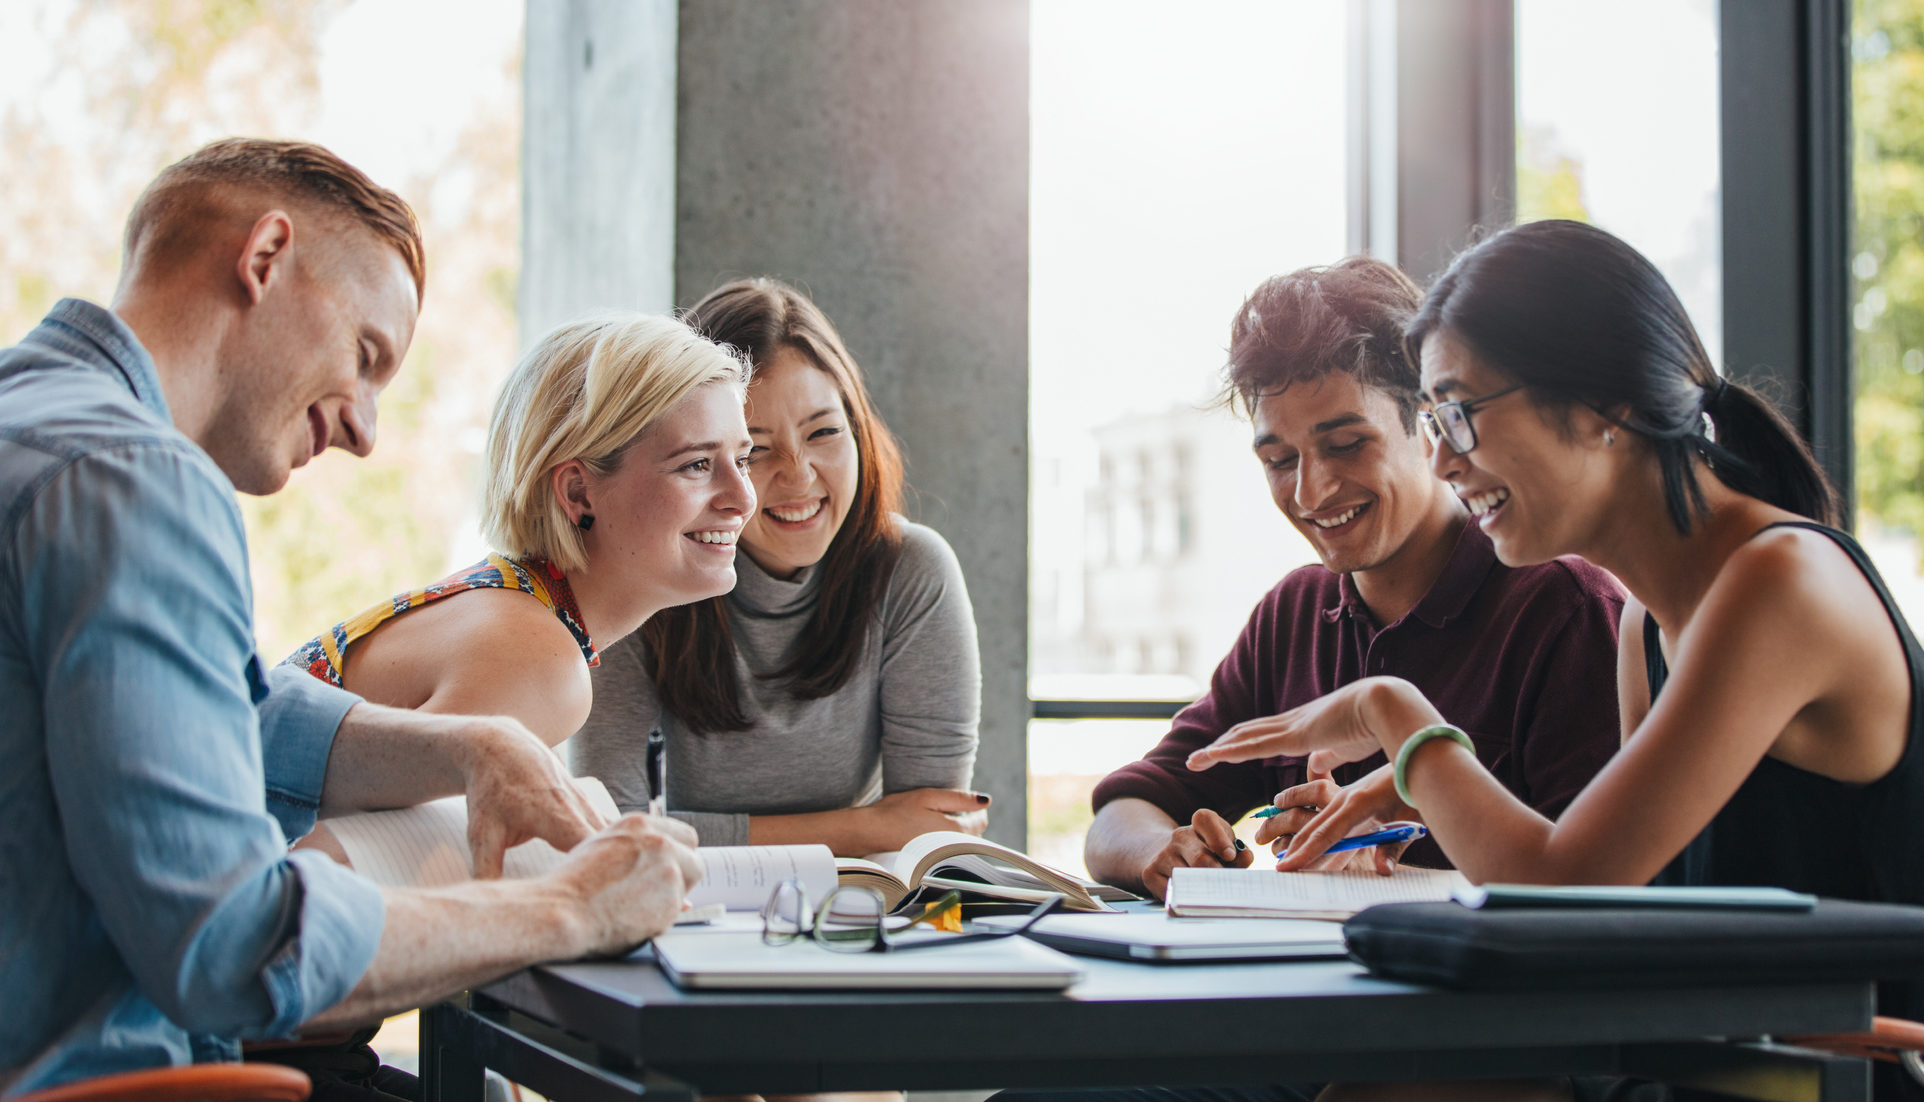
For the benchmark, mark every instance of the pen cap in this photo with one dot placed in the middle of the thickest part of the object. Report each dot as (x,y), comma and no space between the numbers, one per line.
(654,762)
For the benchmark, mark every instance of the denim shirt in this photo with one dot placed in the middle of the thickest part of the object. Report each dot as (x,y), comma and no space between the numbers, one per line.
(150,912)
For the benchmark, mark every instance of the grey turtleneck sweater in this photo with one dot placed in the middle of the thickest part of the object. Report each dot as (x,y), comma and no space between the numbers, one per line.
(905,719)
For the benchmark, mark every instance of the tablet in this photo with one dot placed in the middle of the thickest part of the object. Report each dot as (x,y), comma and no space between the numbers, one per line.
(1155,937)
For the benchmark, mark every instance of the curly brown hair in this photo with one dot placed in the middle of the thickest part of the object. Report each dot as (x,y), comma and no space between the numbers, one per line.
(1346,317)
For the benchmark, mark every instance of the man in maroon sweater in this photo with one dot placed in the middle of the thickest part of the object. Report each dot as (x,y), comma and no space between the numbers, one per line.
(1522,657)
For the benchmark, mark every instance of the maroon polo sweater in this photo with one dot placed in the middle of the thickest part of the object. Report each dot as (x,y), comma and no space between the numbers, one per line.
(1521,658)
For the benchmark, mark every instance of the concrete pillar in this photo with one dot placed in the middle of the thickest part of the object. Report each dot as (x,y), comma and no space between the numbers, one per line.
(597,160)
(876,154)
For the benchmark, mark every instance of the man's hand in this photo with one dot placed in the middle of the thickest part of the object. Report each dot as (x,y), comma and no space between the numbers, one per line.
(518,789)
(892,821)
(631,880)
(1321,813)
(616,890)
(1207,842)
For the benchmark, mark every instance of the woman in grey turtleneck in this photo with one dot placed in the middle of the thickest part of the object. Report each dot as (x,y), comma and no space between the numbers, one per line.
(833,696)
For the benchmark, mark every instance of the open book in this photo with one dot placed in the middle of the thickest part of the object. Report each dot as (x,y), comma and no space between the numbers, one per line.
(947,859)
(427,847)
(1264,893)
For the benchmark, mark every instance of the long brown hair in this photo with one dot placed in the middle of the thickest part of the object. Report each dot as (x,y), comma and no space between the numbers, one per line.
(691,649)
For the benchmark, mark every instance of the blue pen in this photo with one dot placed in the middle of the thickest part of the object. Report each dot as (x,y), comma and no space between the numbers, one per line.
(1394,832)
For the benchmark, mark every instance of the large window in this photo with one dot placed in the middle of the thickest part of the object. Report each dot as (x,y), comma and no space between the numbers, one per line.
(1617,125)
(1887,269)
(97,97)
(1181,154)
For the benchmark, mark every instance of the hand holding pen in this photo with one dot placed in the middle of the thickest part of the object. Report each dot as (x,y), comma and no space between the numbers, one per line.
(1318,814)
(1391,834)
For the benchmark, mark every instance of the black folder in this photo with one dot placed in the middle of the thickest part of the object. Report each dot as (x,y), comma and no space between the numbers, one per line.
(1450,945)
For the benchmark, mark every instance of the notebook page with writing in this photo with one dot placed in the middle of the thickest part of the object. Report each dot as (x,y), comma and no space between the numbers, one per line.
(740,877)
(1260,893)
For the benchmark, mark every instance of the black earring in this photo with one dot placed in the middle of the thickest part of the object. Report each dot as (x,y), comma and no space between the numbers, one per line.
(586,522)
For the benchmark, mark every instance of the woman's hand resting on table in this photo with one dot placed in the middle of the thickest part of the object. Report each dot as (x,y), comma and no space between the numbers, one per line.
(896,819)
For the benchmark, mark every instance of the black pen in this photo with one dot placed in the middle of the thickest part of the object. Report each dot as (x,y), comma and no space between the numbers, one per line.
(652,761)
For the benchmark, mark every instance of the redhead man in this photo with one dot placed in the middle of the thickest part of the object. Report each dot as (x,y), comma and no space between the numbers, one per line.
(150,911)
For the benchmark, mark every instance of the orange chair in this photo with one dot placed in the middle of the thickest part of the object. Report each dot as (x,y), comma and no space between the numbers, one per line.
(1893,1040)
(191,1083)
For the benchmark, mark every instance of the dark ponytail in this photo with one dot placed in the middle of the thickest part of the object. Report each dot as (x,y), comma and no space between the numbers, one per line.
(1581,318)
(1757,452)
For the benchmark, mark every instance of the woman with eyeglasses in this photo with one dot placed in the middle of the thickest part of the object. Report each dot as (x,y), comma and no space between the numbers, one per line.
(1769,684)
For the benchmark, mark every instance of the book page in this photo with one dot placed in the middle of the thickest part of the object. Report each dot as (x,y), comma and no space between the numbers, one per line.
(426,846)
(741,877)
(1260,891)
(990,860)
(1007,873)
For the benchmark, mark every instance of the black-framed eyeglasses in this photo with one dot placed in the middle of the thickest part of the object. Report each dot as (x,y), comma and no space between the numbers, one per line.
(1450,421)
(854,919)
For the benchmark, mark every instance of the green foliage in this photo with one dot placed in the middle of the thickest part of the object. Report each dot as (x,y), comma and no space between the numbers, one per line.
(160,77)
(1550,190)
(1549,182)
(1888,260)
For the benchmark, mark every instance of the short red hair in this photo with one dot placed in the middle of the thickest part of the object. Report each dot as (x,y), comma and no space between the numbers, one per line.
(297,171)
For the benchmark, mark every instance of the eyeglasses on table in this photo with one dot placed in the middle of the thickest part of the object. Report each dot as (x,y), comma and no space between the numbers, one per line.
(854,919)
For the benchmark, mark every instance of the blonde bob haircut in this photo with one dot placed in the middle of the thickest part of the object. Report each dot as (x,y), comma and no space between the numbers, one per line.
(585,391)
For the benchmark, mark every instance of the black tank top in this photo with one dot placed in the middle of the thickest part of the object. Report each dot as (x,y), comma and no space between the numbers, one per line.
(1795,829)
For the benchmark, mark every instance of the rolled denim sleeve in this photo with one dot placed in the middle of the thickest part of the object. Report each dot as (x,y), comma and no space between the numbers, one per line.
(299,716)
(155,749)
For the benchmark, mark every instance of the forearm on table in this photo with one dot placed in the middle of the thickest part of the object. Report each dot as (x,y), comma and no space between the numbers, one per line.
(436,942)
(845,831)
(1126,834)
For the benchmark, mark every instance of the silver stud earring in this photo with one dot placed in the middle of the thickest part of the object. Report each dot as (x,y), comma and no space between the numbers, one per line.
(1609,438)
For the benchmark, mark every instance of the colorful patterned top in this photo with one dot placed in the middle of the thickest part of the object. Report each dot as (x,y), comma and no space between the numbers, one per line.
(540,579)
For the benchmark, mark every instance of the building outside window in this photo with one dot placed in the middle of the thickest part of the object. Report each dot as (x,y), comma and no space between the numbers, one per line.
(1161,193)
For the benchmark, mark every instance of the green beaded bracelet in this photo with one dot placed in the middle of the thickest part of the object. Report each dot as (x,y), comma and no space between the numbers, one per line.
(1440,730)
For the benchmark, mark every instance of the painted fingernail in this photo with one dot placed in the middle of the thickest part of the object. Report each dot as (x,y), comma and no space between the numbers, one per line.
(1240,847)
(982,797)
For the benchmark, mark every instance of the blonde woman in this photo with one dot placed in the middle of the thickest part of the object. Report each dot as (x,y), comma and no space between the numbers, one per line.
(616,487)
